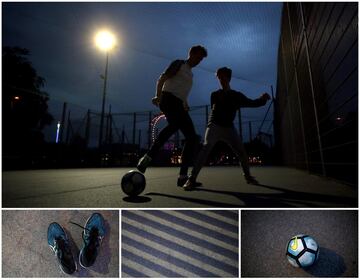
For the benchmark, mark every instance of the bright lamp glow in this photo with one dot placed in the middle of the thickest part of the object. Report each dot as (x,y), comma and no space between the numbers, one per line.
(105,40)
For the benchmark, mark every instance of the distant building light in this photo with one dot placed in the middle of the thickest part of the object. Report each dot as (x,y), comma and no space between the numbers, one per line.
(338,118)
(255,160)
(17,97)
(57,132)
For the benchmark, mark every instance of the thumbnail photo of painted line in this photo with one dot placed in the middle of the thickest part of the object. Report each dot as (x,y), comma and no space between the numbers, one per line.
(179,243)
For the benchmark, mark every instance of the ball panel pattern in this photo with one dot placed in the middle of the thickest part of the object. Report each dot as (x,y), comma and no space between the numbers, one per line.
(302,251)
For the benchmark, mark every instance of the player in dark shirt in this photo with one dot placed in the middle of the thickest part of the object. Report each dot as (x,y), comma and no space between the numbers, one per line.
(224,104)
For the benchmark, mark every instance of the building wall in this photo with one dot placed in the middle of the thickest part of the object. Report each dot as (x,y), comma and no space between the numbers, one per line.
(316,104)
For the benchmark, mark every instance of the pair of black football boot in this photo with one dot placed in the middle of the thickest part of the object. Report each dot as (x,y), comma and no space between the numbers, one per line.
(93,234)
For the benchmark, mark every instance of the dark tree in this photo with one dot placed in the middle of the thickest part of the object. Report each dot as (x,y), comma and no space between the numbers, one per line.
(24,104)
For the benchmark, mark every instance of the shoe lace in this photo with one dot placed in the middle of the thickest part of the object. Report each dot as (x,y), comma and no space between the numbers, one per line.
(90,236)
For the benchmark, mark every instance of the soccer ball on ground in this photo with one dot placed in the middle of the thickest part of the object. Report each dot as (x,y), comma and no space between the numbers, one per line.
(302,251)
(133,183)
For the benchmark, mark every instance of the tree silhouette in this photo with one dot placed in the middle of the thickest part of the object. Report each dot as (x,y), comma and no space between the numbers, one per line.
(24,104)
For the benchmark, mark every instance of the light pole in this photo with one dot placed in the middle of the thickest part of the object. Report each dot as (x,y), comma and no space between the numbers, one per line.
(105,41)
(103,101)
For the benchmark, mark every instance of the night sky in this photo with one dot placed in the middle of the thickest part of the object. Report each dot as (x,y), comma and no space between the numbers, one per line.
(60,37)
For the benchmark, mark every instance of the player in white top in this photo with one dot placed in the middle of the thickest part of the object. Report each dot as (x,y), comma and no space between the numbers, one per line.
(172,90)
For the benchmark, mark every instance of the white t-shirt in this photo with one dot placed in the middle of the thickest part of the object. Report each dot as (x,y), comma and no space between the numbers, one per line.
(180,84)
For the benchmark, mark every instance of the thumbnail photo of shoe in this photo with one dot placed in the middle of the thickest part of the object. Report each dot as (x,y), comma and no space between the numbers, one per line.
(82,243)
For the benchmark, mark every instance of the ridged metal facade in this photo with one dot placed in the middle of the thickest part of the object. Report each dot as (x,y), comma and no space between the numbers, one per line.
(316,108)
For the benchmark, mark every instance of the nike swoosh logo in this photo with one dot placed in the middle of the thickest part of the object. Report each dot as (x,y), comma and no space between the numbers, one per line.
(294,246)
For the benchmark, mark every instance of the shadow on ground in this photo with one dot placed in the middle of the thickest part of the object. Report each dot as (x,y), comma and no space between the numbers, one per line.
(196,200)
(137,199)
(284,199)
(330,264)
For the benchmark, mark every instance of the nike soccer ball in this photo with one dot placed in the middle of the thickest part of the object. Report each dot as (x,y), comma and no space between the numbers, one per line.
(133,183)
(302,251)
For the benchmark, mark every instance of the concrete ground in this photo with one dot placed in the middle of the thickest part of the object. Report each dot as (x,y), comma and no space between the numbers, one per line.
(222,187)
(25,252)
(264,236)
(180,243)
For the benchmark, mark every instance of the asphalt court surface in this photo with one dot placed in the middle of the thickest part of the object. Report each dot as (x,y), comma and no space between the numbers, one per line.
(222,187)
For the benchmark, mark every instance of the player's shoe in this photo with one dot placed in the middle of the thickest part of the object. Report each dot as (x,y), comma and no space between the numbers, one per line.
(143,163)
(93,234)
(251,180)
(189,184)
(181,180)
(59,243)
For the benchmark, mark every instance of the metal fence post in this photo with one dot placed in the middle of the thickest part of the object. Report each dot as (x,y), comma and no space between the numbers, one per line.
(240,124)
(312,90)
(149,130)
(134,128)
(62,130)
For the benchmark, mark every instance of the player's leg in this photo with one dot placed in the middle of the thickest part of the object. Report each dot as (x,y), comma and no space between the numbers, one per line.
(211,138)
(170,106)
(234,140)
(191,142)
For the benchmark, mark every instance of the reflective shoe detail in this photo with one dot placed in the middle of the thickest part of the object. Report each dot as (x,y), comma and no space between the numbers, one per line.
(143,163)
(181,181)
(60,245)
(191,184)
(93,234)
